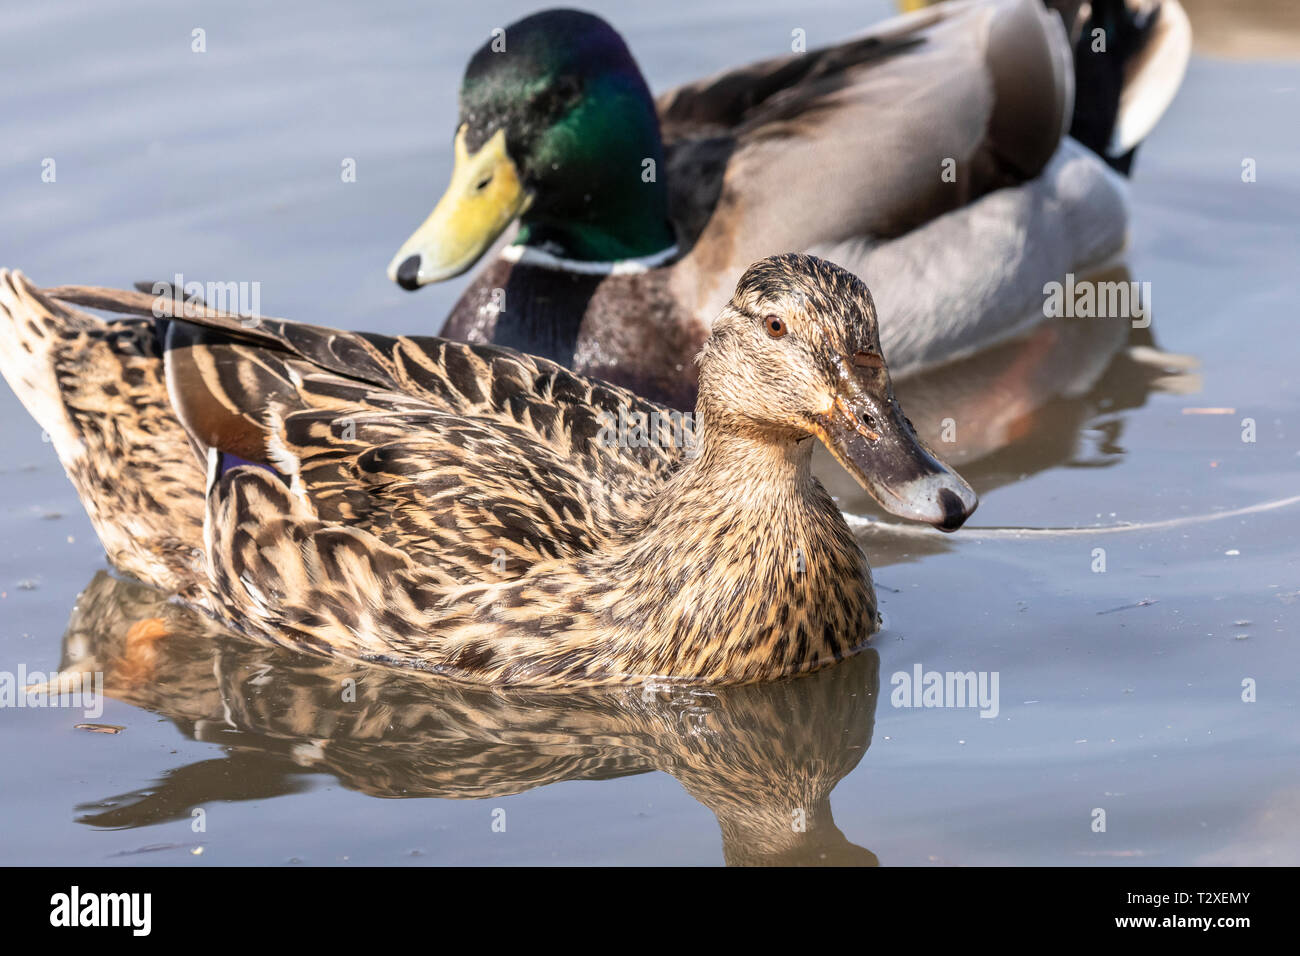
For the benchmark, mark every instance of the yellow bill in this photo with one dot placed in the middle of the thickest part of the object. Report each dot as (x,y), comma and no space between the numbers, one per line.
(483,197)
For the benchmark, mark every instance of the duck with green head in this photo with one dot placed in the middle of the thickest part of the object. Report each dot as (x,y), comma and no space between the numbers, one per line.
(929,156)
(550,126)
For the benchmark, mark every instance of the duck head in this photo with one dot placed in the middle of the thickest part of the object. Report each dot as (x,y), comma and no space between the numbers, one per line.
(558,130)
(796,354)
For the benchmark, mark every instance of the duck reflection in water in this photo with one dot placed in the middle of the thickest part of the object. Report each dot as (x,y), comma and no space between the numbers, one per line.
(763,757)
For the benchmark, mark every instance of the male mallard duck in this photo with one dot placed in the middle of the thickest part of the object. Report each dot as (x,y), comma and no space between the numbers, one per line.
(929,157)
(473,511)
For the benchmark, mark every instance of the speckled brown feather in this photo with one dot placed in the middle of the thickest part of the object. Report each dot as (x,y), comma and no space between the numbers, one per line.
(97,389)
(457,509)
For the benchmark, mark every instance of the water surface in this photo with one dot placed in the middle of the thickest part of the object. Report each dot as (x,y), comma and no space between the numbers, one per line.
(1119,691)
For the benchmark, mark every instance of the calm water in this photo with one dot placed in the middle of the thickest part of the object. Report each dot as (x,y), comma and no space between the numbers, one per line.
(1120,691)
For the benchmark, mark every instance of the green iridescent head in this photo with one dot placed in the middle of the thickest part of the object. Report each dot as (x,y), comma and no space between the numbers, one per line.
(558,130)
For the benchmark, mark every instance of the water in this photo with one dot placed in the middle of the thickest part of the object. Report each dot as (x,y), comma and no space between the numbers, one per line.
(1119,691)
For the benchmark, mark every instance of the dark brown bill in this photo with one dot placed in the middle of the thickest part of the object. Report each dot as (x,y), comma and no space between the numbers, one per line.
(866,432)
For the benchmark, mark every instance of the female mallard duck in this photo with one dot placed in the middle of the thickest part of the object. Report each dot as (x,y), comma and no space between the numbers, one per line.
(475,512)
(929,157)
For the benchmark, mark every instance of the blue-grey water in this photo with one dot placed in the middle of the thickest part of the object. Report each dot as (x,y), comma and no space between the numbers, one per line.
(1118,690)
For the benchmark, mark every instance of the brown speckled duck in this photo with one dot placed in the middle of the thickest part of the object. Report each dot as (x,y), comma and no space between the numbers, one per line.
(475,512)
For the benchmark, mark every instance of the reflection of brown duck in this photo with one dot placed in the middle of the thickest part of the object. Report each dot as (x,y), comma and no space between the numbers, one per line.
(763,758)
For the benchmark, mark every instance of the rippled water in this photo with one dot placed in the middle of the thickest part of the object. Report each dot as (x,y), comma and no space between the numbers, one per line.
(1120,691)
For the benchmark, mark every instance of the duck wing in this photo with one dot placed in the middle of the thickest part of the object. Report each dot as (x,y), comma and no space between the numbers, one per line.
(867,126)
(426,445)
(265,356)
(478,499)
(933,163)
(477,484)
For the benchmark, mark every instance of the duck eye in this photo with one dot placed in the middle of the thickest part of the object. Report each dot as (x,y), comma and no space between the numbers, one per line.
(868,360)
(775,326)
